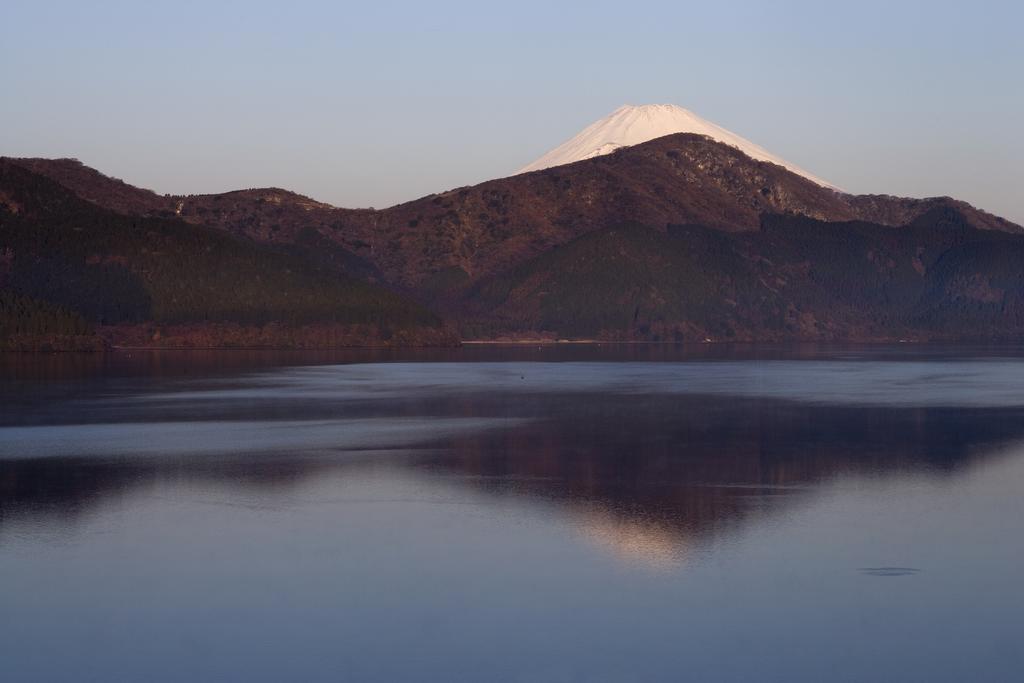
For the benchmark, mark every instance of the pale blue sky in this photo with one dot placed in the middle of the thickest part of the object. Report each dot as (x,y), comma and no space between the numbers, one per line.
(372,103)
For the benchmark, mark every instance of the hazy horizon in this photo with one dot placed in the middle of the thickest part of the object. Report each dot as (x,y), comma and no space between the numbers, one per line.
(376,105)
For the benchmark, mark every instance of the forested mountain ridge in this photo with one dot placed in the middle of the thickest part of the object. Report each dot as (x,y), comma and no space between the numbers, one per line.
(678,239)
(113,270)
(462,235)
(795,278)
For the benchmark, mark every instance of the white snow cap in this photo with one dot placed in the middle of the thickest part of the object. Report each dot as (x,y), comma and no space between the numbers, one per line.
(631,125)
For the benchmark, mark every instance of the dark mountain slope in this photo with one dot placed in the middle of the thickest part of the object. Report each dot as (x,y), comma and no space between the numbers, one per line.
(796,278)
(112,270)
(899,211)
(102,190)
(285,220)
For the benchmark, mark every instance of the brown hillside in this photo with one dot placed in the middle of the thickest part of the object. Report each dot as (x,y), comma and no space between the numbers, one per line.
(447,240)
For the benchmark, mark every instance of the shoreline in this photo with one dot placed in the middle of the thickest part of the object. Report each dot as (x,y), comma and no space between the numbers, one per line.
(520,344)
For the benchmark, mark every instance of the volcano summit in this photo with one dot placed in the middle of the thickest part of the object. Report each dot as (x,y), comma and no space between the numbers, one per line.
(631,125)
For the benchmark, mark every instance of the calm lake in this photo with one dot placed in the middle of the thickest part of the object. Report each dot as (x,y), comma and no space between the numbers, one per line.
(566,513)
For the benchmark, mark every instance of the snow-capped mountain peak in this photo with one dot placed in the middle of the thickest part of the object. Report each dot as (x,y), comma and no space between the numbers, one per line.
(632,125)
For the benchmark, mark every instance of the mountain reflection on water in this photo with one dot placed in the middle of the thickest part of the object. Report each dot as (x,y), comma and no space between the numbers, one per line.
(618,513)
(646,458)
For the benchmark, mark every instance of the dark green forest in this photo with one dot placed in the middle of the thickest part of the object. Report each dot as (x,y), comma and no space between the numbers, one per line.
(64,260)
(794,278)
(22,315)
